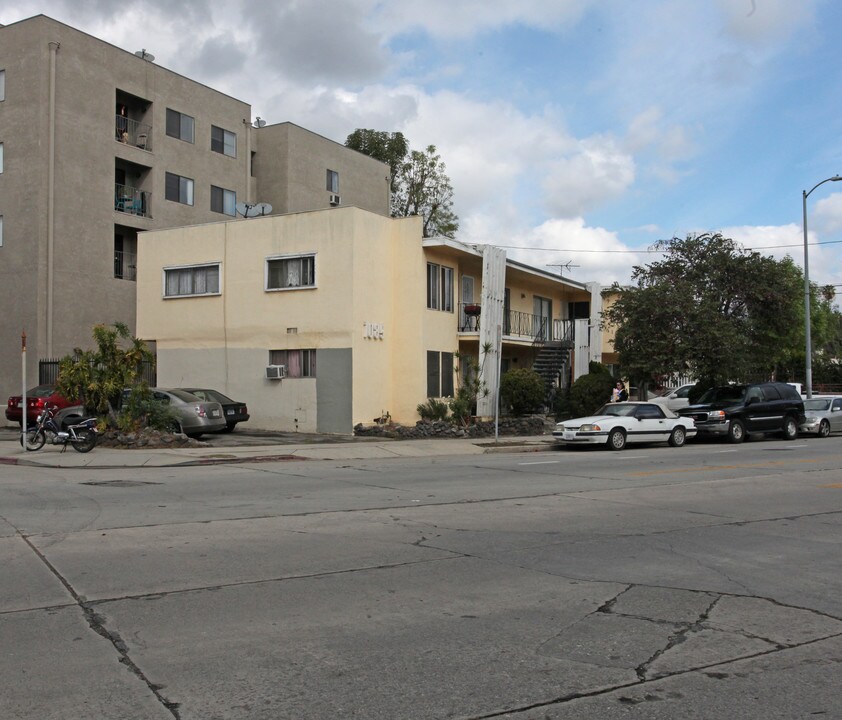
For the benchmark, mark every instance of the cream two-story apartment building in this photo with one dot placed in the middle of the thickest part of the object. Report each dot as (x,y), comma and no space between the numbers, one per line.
(320,320)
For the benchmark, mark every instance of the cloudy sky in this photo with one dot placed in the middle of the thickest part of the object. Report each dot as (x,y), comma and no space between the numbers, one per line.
(577,131)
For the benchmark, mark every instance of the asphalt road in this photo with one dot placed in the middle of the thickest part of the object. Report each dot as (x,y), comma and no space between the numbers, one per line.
(700,582)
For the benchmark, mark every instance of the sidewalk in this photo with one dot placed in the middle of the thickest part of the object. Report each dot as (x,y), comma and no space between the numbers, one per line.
(11,452)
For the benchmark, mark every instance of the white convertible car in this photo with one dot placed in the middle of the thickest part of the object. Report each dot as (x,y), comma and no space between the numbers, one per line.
(616,424)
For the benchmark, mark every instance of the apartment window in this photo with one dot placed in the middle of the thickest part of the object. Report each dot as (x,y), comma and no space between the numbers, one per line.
(223,141)
(178,189)
(193,280)
(1,231)
(223,201)
(179,125)
(2,85)
(299,363)
(1,158)
(332,181)
(439,287)
(439,374)
(286,273)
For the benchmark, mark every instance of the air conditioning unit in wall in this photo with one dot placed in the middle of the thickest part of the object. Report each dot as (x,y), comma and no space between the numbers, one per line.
(276,372)
(334,200)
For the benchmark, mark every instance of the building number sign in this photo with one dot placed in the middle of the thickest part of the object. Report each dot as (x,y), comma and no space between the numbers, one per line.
(373,331)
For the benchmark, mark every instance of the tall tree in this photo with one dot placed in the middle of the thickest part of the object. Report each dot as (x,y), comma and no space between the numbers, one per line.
(419,181)
(710,308)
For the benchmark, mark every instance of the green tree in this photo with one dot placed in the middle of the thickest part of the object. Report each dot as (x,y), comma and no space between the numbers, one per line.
(96,378)
(419,181)
(390,148)
(709,308)
(523,390)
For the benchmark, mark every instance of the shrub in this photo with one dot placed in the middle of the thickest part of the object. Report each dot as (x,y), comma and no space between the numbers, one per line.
(588,393)
(523,390)
(433,410)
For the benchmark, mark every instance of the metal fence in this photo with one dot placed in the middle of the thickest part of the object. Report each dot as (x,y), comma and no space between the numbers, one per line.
(48,372)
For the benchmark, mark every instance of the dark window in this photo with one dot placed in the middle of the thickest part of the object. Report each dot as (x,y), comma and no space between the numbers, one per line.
(447,374)
(579,310)
(178,189)
(223,141)
(770,392)
(223,201)
(439,287)
(179,125)
(439,374)
(332,183)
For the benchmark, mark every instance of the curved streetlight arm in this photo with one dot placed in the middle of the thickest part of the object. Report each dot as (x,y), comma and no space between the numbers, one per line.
(808,340)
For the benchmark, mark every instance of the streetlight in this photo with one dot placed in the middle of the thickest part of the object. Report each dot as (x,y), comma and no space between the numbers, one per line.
(808,375)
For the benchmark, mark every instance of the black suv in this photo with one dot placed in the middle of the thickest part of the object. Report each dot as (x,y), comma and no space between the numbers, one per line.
(733,411)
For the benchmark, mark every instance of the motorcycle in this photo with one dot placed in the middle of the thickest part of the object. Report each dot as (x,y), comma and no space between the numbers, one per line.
(82,436)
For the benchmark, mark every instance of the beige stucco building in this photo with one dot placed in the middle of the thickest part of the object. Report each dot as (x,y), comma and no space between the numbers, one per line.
(364,315)
(98,145)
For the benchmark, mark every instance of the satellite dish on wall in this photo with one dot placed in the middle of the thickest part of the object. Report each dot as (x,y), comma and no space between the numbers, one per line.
(259,122)
(253,210)
(143,55)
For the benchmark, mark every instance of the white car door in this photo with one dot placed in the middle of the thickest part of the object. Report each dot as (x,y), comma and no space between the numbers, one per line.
(652,425)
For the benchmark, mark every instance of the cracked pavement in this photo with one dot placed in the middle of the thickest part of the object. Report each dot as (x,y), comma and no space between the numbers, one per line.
(692,583)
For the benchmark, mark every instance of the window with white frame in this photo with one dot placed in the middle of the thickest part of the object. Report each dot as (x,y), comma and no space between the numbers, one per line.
(299,363)
(439,374)
(294,271)
(439,287)
(223,201)
(223,141)
(2,85)
(180,126)
(332,183)
(178,189)
(191,280)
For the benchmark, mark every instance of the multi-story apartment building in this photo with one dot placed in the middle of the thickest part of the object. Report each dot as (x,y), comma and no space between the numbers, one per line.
(320,320)
(98,145)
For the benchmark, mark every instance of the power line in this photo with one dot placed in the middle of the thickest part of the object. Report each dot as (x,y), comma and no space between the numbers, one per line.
(657,252)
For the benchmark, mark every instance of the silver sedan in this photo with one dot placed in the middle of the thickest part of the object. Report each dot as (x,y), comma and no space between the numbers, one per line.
(822,415)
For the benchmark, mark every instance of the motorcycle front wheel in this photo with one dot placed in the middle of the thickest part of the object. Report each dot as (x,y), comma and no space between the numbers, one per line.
(35,439)
(85,440)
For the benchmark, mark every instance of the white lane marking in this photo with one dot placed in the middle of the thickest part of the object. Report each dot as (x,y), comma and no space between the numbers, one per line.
(631,457)
(542,462)
(720,452)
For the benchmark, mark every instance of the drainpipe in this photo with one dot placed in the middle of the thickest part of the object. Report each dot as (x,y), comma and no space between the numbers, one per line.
(51,180)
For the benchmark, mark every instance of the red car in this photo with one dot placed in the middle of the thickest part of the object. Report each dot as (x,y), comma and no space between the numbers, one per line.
(36,399)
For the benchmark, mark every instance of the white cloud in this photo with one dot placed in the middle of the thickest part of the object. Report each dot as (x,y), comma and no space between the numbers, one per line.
(827,214)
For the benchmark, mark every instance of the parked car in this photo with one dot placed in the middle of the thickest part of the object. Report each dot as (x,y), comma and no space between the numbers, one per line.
(37,399)
(193,416)
(616,424)
(234,411)
(734,411)
(822,415)
(674,398)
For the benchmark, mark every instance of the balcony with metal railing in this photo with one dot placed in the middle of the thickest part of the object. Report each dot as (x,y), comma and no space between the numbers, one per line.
(133,132)
(125,265)
(518,325)
(132,200)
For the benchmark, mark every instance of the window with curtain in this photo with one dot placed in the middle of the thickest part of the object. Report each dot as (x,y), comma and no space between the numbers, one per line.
(223,201)
(288,273)
(195,280)
(180,125)
(439,287)
(299,363)
(178,189)
(223,141)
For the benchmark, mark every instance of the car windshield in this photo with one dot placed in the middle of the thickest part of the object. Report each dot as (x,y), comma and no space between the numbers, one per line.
(620,409)
(817,404)
(41,391)
(728,394)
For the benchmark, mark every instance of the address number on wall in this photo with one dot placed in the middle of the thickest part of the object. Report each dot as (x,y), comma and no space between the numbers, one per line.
(373,331)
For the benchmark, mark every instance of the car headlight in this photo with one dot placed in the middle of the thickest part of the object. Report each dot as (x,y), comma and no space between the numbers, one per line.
(589,428)
(717,415)
(810,420)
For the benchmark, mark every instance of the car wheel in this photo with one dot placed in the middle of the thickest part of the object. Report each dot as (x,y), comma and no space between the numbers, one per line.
(736,432)
(616,439)
(824,429)
(790,428)
(677,437)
